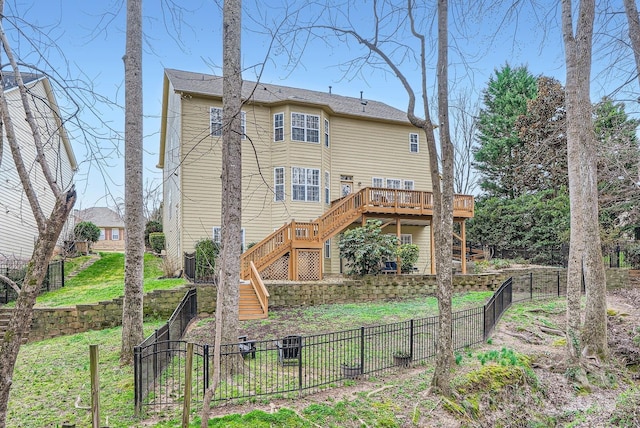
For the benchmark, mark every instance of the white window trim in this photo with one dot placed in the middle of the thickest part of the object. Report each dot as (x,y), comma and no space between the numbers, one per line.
(327,188)
(275,128)
(103,235)
(327,249)
(405,182)
(218,133)
(326,133)
(115,234)
(406,237)
(412,143)
(306,128)
(373,181)
(277,185)
(217,230)
(394,180)
(305,184)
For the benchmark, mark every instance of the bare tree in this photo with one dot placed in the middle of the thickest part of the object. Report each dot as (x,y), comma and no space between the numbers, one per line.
(585,254)
(227,303)
(631,9)
(49,227)
(132,315)
(463,123)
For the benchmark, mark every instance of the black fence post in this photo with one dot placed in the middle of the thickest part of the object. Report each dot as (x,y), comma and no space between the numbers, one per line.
(137,376)
(300,365)
(411,339)
(362,349)
(558,276)
(530,285)
(62,273)
(205,368)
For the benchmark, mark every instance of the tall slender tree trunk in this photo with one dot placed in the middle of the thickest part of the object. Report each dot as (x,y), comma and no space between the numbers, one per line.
(585,255)
(227,304)
(443,213)
(132,315)
(633,19)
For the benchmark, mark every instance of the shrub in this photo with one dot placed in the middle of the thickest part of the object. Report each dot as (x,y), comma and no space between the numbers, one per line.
(206,254)
(86,231)
(366,247)
(632,256)
(156,241)
(149,228)
(408,254)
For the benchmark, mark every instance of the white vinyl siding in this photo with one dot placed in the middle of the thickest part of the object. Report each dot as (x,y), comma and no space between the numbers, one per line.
(305,127)
(215,116)
(278,184)
(278,127)
(414,143)
(305,184)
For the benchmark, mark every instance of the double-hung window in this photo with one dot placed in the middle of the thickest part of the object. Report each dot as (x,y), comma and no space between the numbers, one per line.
(278,183)
(215,116)
(115,234)
(393,183)
(406,238)
(327,194)
(326,133)
(377,182)
(407,184)
(278,127)
(414,143)
(305,127)
(305,184)
(217,236)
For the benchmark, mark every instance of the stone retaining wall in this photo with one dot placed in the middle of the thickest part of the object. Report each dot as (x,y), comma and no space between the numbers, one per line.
(160,304)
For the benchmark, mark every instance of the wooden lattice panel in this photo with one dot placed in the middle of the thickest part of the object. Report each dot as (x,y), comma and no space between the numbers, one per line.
(278,270)
(309,265)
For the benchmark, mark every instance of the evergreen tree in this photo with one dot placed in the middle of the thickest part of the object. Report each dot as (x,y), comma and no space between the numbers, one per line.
(498,157)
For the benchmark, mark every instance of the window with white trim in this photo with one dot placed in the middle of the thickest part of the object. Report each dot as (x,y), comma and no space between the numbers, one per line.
(278,184)
(406,238)
(327,249)
(216,122)
(394,183)
(305,127)
(278,127)
(305,184)
(217,236)
(377,182)
(407,184)
(102,235)
(327,193)
(326,133)
(414,143)
(115,234)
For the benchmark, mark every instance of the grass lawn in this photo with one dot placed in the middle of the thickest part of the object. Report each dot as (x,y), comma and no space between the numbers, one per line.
(104,280)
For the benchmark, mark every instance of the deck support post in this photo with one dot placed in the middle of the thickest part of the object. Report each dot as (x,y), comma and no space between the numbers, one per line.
(399,235)
(432,242)
(463,246)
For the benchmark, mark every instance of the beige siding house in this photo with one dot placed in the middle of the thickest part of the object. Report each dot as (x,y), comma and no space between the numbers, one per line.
(302,151)
(18,229)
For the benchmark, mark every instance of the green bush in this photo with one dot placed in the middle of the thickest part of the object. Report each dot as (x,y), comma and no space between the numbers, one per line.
(156,241)
(206,254)
(632,256)
(86,231)
(366,247)
(408,254)
(149,228)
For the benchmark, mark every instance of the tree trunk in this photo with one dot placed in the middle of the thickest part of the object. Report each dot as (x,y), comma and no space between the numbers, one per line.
(132,315)
(443,214)
(227,305)
(585,259)
(20,322)
(633,19)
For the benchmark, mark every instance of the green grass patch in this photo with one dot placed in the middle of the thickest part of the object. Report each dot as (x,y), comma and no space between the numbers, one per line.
(104,280)
(50,376)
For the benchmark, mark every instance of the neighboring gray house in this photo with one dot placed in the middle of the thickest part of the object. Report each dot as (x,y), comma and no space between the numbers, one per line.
(111,227)
(18,229)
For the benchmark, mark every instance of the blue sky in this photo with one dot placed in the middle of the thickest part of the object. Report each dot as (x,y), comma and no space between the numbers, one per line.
(90,36)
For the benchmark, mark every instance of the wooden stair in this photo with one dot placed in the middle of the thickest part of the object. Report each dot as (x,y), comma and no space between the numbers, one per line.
(250,308)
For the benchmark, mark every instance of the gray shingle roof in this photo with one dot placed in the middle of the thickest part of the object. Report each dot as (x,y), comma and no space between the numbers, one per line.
(9,79)
(100,216)
(265,93)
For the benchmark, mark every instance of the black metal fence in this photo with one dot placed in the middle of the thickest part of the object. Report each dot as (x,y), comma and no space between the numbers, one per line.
(155,355)
(294,364)
(15,270)
(198,269)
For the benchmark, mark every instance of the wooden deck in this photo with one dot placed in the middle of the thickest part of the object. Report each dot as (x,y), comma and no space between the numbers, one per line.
(370,201)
